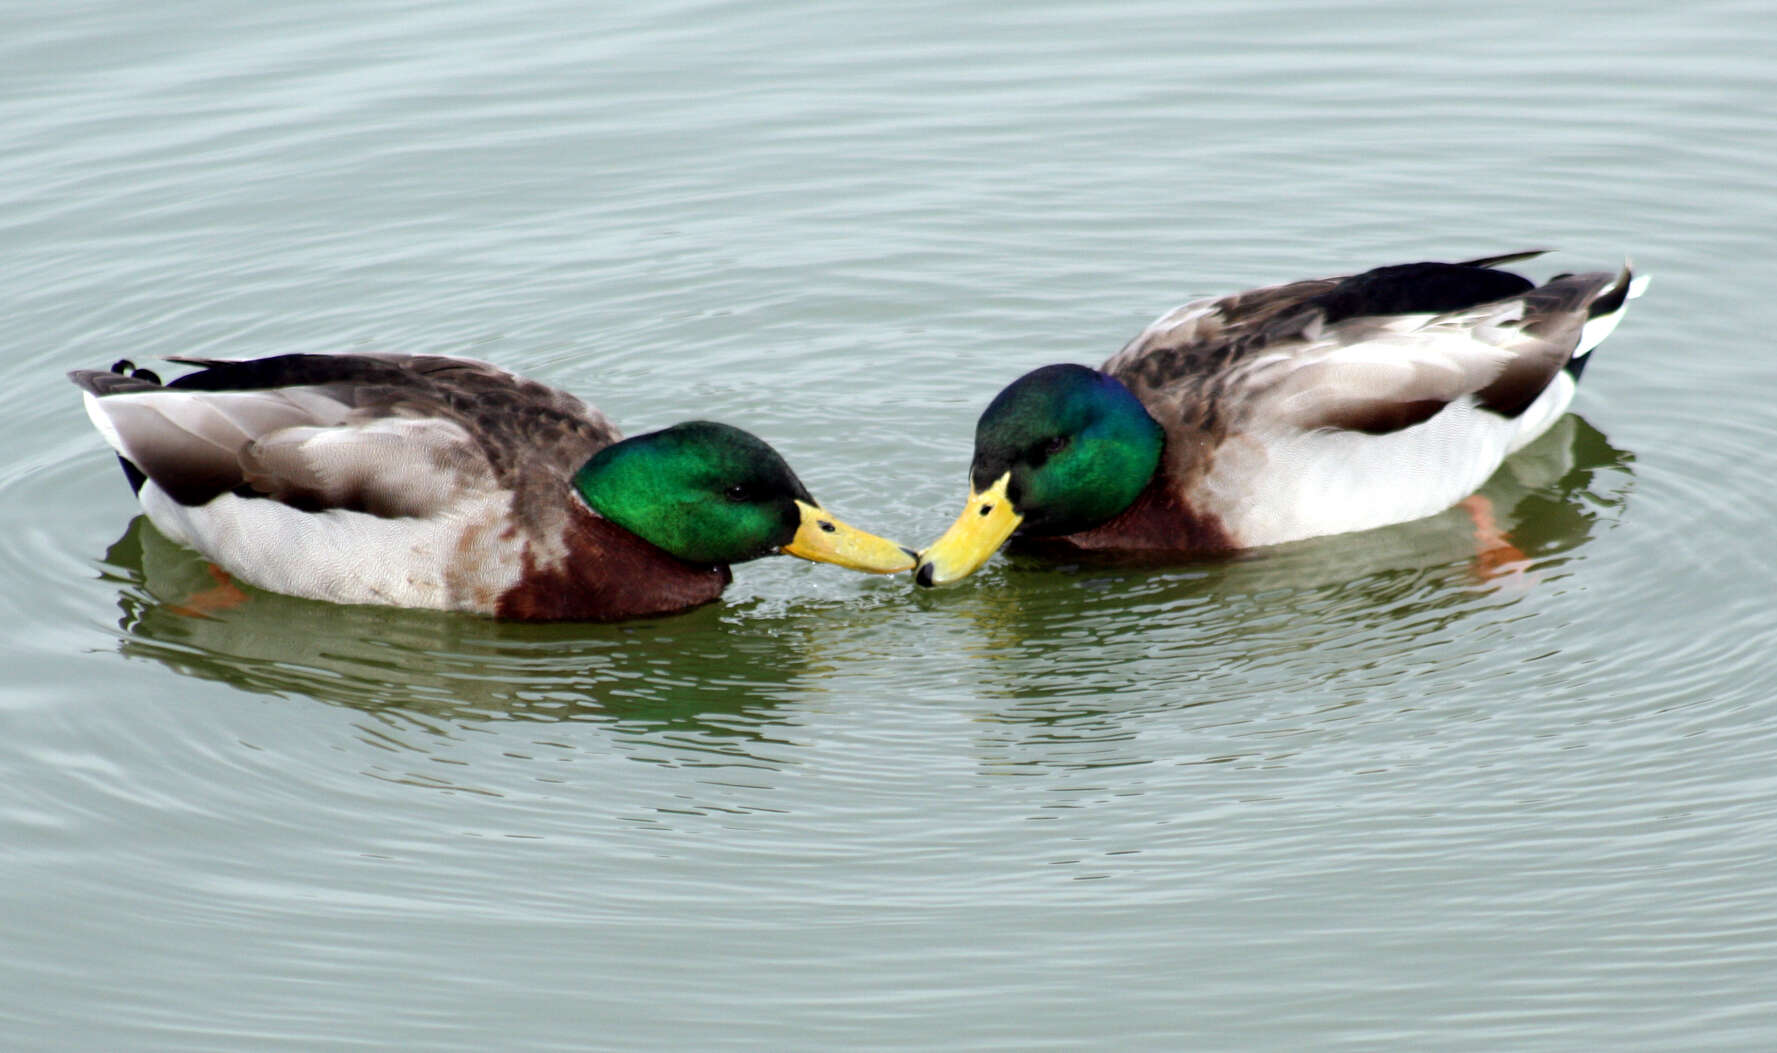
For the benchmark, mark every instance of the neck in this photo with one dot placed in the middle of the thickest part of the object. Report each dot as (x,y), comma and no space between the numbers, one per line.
(1159,523)
(608,574)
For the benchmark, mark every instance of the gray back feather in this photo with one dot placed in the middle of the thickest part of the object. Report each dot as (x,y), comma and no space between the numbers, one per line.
(1268,355)
(387,434)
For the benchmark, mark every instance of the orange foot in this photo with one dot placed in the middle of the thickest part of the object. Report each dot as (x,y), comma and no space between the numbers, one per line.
(1496,558)
(222,596)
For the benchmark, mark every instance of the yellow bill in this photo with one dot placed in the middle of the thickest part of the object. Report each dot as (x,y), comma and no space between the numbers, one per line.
(987,521)
(825,539)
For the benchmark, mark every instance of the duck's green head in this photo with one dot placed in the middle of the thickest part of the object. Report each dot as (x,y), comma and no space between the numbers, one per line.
(711,493)
(1060,450)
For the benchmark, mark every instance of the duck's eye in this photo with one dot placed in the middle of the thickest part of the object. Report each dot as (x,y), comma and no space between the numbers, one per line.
(1040,453)
(738,493)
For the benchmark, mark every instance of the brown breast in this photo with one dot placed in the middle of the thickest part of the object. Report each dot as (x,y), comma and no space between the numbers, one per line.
(1159,525)
(608,574)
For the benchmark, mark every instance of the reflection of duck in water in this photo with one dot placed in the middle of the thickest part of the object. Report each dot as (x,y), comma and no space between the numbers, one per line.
(708,680)
(1284,413)
(1070,663)
(432,482)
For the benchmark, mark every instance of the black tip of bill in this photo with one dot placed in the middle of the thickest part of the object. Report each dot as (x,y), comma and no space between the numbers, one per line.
(923,575)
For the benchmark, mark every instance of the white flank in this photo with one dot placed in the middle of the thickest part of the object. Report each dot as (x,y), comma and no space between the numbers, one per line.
(1542,414)
(449,562)
(1329,481)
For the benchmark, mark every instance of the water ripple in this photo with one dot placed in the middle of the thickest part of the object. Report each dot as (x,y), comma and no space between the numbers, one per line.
(1369,791)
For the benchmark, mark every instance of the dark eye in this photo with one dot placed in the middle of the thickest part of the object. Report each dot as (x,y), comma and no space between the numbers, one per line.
(1055,445)
(738,493)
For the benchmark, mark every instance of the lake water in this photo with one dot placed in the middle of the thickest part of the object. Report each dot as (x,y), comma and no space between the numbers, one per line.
(1352,793)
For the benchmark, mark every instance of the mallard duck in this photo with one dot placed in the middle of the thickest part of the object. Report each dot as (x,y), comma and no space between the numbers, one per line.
(445,483)
(1287,412)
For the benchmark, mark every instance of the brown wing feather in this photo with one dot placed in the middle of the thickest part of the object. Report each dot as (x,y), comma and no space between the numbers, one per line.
(1554,316)
(1204,366)
(388,434)
(516,420)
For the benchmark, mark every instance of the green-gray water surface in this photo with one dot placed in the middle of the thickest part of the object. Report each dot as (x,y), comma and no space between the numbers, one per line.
(1356,793)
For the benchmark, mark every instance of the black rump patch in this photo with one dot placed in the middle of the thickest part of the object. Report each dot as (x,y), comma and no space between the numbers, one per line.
(1417,288)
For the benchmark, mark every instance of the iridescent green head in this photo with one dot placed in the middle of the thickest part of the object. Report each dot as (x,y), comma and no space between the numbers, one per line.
(712,493)
(1062,449)
(1078,445)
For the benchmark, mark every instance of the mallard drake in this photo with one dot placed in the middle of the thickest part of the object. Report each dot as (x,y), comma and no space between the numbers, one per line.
(1287,412)
(445,483)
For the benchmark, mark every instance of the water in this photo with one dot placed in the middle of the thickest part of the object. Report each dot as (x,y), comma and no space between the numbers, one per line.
(1353,793)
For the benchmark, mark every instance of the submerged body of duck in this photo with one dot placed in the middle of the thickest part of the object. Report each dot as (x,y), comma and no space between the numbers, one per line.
(1287,412)
(445,483)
